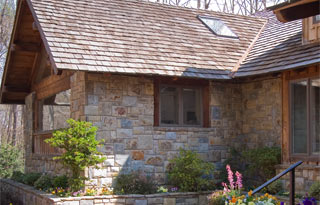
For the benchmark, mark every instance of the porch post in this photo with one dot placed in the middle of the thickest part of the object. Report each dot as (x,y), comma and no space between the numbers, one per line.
(292,186)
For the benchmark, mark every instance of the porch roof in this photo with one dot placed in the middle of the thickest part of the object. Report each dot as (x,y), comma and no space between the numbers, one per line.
(279,48)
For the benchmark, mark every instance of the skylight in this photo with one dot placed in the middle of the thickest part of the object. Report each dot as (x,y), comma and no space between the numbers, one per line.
(217,26)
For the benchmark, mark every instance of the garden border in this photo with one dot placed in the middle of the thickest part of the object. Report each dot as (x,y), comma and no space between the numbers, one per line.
(17,193)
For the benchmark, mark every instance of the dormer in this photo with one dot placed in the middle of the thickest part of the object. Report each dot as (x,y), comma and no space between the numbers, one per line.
(311,29)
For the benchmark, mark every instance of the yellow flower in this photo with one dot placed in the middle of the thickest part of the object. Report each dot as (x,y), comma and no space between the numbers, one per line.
(250,193)
(53,192)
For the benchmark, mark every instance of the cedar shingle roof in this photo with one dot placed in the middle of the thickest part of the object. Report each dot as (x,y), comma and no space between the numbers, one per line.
(279,48)
(129,36)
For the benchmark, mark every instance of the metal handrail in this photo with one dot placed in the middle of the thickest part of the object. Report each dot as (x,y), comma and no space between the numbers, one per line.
(292,181)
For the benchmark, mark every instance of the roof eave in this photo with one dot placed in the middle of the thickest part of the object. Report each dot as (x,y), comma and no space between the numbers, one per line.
(296,9)
(5,69)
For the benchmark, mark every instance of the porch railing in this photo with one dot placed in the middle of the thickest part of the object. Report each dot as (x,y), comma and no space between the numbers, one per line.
(291,169)
(40,147)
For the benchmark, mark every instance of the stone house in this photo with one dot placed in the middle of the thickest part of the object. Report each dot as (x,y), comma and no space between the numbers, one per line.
(154,78)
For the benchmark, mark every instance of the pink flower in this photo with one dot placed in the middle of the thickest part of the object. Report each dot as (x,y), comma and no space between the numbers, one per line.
(225,188)
(230,176)
(239,180)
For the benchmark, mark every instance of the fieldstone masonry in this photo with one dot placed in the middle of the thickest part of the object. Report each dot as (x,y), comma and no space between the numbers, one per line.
(16,193)
(122,107)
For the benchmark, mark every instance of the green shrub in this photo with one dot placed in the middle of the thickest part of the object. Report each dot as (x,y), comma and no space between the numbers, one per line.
(17,176)
(44,182)
(31,178)
(80,147)
(314,190)
(189,173)
(10,160)
(261,162)
(256,165)
(134,183)
(273,188)
(60,181)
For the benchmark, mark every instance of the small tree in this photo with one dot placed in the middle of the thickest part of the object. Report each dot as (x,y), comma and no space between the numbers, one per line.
(80,147)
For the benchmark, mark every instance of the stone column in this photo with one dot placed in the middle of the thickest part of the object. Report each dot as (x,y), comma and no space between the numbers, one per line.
(28,129)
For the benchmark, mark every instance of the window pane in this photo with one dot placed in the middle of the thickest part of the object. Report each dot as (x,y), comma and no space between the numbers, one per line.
(191,106)
(299,116)
(169,108)
(315,115)
(56,110)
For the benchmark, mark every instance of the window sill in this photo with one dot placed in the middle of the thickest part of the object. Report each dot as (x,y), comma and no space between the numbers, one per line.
(181,128)
(44,157)
(47,132)
(302,166)
(305,158)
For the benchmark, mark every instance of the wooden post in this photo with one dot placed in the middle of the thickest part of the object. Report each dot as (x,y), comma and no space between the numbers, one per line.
(292,186)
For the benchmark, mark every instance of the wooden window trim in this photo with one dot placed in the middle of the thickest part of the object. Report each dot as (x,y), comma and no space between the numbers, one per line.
(300,73)
(202,84)
(309,156)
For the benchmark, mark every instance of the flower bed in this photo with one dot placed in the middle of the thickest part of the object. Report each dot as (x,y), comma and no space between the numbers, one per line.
(17,193)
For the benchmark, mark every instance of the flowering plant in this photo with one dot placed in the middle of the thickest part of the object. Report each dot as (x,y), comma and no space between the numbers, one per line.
(106,191)
(60,192)
(231,194)
(90,192)
(234,187)
(308,200)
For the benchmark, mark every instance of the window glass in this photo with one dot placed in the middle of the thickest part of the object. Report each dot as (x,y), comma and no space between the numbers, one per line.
(299,116)
(315,115)
(191,106)
(169,105)
(55,111)
(217,26)
(316,19)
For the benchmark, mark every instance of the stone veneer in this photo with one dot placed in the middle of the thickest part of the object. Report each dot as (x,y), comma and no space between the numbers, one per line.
(305,176)
(17,193)
(122,107)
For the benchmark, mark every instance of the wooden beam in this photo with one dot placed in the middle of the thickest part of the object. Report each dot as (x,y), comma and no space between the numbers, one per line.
(52,85)
(26,47)
(298,11)
(285,118)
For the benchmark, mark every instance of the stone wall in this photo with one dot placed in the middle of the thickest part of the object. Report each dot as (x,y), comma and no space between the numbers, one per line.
(17,193)
(305,175)
(261,113)
(122,107)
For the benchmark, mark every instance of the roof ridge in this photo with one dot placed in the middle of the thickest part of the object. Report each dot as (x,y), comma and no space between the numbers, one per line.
(193,9)
(244,56)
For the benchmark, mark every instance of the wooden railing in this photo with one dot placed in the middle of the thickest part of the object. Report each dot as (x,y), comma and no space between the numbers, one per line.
(41,147)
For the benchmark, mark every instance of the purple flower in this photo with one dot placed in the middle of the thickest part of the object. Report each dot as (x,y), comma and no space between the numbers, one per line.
(173,189)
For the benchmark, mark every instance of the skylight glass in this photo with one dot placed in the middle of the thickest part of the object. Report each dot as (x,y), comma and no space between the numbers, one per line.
(217,26)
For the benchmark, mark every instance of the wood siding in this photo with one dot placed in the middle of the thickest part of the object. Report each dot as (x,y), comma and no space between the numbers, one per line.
(310,30)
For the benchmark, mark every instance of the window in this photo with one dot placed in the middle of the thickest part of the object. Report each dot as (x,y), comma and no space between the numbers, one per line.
(54,111)
(217,27)
(305,117)
(316,19)
(180,105)
(181,102)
